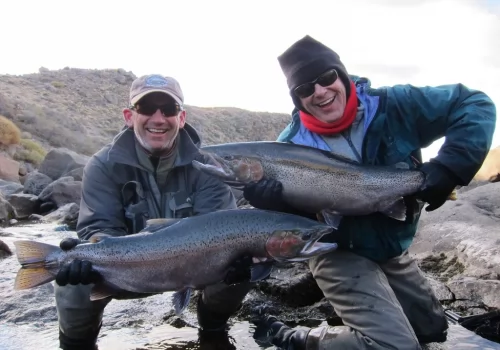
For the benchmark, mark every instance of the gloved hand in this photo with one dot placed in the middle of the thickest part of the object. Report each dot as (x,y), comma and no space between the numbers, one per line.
(78,271)
(265,194)
(280,334)
(438,185)
(239,271)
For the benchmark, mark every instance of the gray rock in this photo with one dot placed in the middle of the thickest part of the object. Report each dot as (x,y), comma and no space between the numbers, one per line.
(60,161)
(7,211)
(35,217)
(9,187)
(4,250)
(36,182)
(76,174)
(62,191)
(459,244)
(67,214)
(24,204)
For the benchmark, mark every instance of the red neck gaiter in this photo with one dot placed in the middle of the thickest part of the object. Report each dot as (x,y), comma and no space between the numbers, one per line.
(322,128)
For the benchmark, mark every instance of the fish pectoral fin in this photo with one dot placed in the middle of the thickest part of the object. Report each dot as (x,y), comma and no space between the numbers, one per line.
(180,300)
(101,291)
(402,165)
(396,210)
(260,271)
(153,225)
(330,218)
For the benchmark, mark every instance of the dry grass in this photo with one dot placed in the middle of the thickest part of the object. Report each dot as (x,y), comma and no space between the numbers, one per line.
(30,151)
(9,132)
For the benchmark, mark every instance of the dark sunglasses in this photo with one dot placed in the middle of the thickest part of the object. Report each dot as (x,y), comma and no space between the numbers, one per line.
(167,110)
(325,79)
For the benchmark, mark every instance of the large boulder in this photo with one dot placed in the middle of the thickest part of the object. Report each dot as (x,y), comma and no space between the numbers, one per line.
(459,244)
(35,182)
(9,169)
(4,250)
(24,204)
(66,214)
(62,191)
(60,161)
(10,187)
(7,211)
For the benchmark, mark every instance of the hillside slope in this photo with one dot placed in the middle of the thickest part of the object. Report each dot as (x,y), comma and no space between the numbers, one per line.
(81,109)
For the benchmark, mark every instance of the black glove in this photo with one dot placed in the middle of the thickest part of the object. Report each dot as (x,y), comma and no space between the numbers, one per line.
(438,185)
(265,194)
(280,334)
(78,271)
(239,271)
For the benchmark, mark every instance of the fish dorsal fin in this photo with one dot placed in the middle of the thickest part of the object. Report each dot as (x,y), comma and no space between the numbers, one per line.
(336,156)
(153,225)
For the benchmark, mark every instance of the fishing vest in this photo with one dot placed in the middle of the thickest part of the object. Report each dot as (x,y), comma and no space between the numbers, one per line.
(140,203)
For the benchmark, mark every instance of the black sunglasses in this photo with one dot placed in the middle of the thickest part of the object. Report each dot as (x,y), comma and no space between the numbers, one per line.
(167,110)
(325,79)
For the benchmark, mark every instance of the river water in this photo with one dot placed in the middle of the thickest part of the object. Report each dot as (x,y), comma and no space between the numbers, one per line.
(28,318)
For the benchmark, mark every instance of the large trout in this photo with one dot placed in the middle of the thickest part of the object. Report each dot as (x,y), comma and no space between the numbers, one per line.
(316,181)
(181,254)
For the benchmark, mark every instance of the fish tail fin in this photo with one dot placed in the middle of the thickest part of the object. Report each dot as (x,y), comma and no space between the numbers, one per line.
(32,256)
(32,277)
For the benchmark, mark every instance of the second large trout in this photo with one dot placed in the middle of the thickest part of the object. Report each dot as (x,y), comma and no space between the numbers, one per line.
(314,180)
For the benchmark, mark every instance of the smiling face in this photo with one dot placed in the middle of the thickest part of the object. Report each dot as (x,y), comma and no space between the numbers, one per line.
(156,132)
(327,103)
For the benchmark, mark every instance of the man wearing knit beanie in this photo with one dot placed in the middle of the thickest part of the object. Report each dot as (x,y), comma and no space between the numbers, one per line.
(375,287)
(307,59)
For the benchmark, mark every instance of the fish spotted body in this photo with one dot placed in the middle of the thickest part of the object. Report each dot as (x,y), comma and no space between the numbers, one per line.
(314,180)
(180,254)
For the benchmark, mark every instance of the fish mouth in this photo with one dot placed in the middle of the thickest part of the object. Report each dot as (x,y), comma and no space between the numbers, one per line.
(314,248)
(234,170)
(218,168)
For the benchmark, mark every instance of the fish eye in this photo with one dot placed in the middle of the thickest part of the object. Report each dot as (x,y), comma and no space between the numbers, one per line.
(307,236)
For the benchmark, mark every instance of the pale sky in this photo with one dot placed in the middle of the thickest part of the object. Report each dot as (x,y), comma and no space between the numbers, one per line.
(224,53)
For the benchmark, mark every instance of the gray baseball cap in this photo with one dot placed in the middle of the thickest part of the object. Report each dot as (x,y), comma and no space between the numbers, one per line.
(155,83)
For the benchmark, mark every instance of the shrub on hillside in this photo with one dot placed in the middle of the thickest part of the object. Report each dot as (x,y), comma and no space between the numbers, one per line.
(9,132)
(31,152)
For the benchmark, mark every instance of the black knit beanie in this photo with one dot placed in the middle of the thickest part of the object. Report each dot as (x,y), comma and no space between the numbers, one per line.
(305,60)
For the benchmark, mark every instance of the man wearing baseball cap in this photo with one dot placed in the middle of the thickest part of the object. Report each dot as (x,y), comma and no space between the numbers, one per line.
(144,173)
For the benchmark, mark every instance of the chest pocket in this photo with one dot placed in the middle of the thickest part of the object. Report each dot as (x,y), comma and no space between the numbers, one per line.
(181,203)
(135,205)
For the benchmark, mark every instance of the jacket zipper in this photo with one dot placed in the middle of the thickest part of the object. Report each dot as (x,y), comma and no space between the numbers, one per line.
(347,136)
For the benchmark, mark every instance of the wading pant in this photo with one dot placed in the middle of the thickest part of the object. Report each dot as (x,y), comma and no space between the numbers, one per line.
(80,318)
(386,305)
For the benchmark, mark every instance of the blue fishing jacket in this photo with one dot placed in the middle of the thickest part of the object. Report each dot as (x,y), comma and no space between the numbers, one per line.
(398,122)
